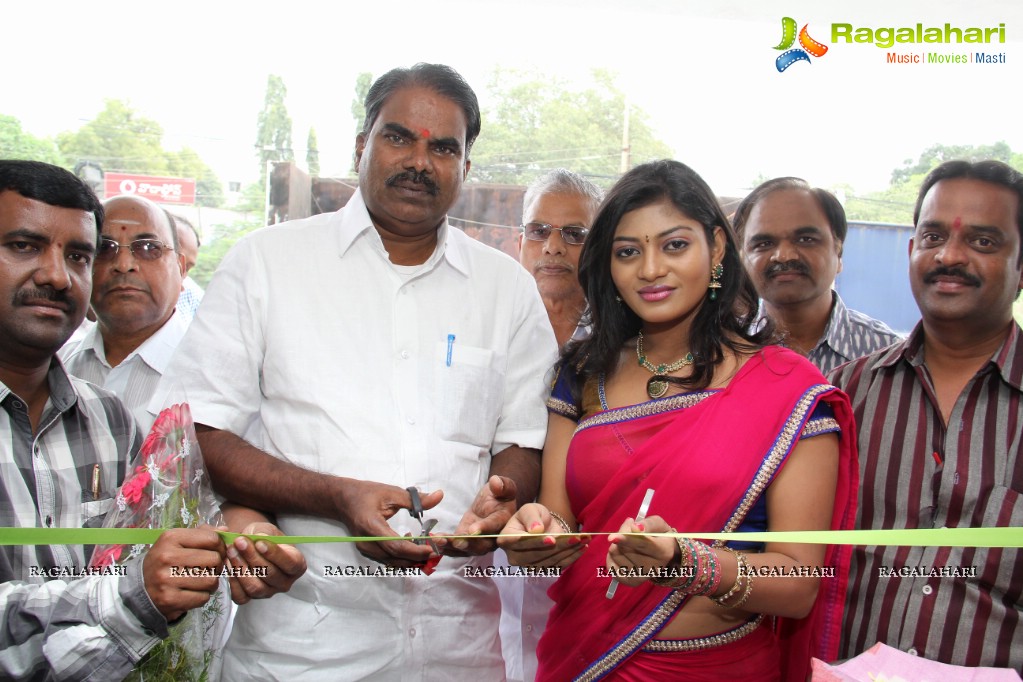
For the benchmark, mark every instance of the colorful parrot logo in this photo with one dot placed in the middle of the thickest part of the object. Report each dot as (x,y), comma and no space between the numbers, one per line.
(788,37)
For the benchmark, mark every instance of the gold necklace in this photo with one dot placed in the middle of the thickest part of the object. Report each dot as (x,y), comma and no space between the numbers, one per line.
(657,386)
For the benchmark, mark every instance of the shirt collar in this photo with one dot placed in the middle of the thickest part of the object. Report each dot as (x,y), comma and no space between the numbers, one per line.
(355,222)
(156,351)
(1008,359)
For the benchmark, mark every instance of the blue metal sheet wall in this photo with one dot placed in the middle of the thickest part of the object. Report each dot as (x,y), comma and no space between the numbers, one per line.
(875,274)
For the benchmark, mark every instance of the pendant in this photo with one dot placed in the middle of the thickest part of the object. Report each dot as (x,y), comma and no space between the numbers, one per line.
(657,386)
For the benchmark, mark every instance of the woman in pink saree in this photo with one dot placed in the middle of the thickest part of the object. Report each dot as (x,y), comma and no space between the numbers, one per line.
(672,393)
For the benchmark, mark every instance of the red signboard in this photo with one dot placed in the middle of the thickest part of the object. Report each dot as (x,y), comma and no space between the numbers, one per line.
(160,190)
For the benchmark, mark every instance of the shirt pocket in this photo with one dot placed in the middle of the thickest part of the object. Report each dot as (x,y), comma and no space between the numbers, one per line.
(94,512)
(467,393)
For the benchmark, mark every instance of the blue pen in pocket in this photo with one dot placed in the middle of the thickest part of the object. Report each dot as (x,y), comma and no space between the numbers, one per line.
(451,345)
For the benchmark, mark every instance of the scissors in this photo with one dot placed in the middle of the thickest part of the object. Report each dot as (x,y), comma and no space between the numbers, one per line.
(425,524)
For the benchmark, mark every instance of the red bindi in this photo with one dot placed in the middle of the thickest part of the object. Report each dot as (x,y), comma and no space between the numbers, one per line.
(957,224)
(425,133)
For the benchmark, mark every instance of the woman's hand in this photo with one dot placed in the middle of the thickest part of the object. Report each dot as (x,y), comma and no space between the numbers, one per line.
(635,556)
(547,544)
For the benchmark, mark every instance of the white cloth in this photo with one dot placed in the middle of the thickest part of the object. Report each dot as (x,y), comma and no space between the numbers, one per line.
(524,610)
(320,353)
(190,298)
(135,379)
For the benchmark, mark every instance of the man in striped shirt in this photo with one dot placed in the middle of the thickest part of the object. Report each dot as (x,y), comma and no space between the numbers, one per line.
(65,446)
(791,236)
(940,436)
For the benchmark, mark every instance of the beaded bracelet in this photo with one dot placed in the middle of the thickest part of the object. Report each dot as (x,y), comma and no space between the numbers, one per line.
(679,582)
(713,581)
(557,517)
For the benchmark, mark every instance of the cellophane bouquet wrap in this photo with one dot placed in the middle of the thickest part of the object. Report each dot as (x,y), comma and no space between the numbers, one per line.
(168,488)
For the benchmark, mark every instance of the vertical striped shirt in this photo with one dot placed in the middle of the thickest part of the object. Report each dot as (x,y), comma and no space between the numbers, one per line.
(951,604)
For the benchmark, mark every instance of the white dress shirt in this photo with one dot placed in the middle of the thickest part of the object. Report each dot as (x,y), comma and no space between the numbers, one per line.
(321,352)
(135,378)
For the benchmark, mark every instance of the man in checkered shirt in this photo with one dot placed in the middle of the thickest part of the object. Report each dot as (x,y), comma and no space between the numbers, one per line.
(65,447)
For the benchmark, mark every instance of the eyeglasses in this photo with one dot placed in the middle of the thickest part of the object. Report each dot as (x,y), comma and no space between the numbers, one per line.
(539,232)
(141,249)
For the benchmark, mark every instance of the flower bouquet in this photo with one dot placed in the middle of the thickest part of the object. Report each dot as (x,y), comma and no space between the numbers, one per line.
(167,488)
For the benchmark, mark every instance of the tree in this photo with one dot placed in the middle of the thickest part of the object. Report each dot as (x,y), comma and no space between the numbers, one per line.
(362,84)
(895,204)
(273,127)
(534,123)
(312,153)
(119,139)
(15,143)
(186,163)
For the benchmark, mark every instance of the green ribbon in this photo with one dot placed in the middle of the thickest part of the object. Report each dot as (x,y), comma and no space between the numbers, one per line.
(927,537)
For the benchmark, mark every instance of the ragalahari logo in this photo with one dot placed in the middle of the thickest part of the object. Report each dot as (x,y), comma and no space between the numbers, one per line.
(788,37)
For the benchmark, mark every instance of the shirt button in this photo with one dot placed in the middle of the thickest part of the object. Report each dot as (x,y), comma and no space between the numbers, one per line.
(913,652)
(405,355)
(16,404)
(529,628)
(927,589)
(412,632)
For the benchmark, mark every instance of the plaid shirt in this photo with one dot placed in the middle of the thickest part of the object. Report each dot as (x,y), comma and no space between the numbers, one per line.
(848,335)
(66,475)
(918,472)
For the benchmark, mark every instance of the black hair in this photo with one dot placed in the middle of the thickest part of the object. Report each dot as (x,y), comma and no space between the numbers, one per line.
(437,77)
(995,172)
(724,323)
(51,185)
(828,203)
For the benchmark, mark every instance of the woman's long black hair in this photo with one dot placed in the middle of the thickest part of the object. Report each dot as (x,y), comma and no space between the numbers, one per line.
(726,322)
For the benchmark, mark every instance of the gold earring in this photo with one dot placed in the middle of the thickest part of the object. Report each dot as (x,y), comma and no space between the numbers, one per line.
(715,280)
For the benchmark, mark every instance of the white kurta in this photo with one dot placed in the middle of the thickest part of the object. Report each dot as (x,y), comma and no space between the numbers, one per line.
(312,345)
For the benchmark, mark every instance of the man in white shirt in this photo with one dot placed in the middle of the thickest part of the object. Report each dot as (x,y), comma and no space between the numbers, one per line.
(353,355)
(136,283)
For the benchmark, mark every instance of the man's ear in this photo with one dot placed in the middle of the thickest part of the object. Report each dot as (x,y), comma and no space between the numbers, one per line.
(468,165)
(360,145)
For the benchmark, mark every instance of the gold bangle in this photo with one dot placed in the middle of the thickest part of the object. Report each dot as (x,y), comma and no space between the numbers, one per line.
(741,571)
(746,592)
(557,517)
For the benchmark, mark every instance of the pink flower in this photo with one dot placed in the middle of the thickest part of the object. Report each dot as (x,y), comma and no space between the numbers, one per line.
(168,430)
(134,488)
(107,557)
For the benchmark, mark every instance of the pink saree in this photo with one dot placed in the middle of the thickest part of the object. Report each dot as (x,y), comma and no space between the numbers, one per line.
(709,456)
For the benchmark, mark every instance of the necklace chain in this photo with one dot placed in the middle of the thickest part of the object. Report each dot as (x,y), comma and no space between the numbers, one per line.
(660,369)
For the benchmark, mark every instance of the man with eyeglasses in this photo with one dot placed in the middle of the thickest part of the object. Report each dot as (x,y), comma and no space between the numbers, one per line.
(557,211)
(136,281)
(136,284)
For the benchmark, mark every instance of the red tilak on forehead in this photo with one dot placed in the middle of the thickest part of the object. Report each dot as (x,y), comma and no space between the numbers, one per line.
(425,133)
(957,224)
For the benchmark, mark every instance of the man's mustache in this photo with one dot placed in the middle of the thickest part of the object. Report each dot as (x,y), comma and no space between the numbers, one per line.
(418,178)
(28,296)
(796,266)
(958,273)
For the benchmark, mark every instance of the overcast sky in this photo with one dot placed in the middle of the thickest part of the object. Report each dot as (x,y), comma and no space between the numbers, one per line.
(703,71)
